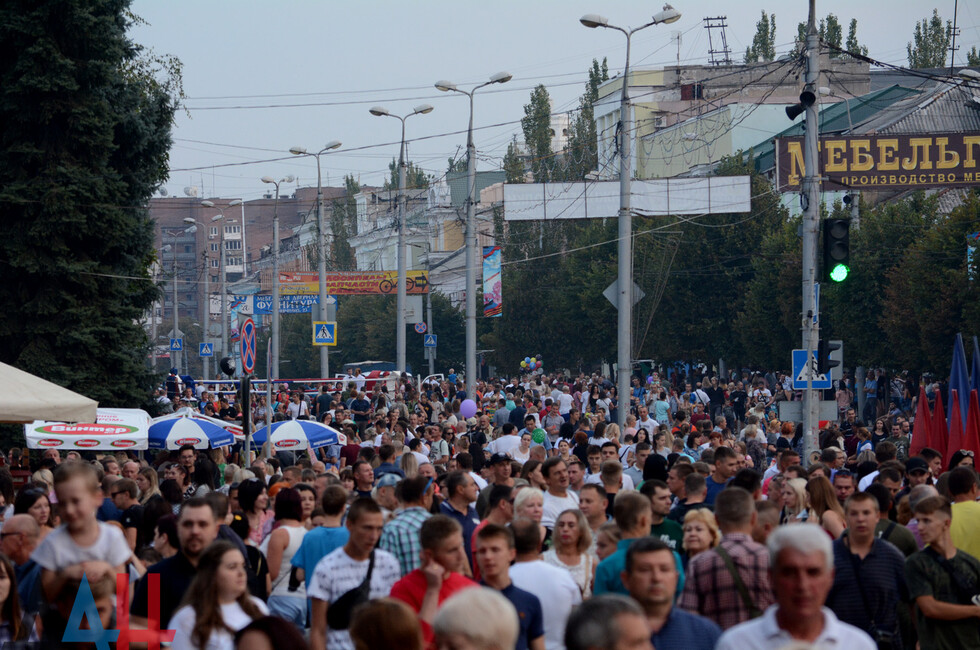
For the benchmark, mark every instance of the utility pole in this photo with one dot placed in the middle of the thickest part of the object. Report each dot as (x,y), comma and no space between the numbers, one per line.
(811,226)
(206,361)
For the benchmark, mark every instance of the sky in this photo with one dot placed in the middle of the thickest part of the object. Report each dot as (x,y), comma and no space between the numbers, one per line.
(261,77)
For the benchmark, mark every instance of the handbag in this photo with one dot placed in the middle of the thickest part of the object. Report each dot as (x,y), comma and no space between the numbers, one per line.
(339,612)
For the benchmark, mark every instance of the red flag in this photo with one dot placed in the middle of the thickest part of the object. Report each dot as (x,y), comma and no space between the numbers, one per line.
(920,433)
(938,433)
(956,437)
(972,437)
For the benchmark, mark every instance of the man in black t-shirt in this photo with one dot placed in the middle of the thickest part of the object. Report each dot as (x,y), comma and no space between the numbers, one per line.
(123,495)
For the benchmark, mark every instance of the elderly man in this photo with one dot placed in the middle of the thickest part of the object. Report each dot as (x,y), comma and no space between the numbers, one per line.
(802,571)
(20,537)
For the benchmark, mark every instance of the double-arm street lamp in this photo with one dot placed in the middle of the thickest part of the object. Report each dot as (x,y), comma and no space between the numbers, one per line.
(273,371)
(624,303)
(225,323)
(321,258)
(380,111)
(471,252)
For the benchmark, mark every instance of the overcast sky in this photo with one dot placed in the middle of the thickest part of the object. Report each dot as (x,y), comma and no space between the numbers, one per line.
(261,77)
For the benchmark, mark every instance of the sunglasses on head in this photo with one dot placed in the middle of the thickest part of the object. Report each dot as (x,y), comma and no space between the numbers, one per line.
(967,452)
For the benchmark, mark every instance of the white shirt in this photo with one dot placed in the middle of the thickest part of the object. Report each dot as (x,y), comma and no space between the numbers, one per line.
(554,506)
(337,573)
(505,444)
(59,551)
(564,403)
(233,615)
(864,483)
(764,633)
(557,592)
(627,481)
(649,424)
(480,482)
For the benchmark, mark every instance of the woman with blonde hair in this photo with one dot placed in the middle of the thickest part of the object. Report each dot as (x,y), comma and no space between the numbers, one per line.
(529,503)
(824,507)
(794,502)
(571,539)
(606,540)
(148,482)
(410,465)
(701,533)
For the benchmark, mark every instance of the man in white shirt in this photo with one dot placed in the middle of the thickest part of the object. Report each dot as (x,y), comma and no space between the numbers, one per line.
(558,497)
(609,452)
(565,402)
(507,442)
(802,560)
(553,586)
(647,422)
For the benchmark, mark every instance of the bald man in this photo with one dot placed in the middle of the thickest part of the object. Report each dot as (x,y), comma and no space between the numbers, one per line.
(21,535)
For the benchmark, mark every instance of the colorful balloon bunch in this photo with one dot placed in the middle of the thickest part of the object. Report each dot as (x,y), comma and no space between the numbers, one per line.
(532,363)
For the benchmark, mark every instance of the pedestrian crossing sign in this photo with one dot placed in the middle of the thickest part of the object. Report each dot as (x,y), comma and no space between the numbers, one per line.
(206,350)
(324,333)
(176,345)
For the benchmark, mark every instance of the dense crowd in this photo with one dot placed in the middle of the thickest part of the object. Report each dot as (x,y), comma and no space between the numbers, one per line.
(535,522)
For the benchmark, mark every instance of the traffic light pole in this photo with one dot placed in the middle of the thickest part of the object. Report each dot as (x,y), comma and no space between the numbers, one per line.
(811,226)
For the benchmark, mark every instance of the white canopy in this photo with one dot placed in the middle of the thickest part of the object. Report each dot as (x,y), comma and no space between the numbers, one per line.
(112,429)
(26,398)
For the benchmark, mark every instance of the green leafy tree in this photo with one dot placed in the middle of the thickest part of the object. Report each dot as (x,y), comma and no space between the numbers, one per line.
(343,225)
(582,155)
(973,57)
(536,125)
(930,42)
(87,127)
(456,165)
(415,177)
(763,46)
(513,165)
(853,45)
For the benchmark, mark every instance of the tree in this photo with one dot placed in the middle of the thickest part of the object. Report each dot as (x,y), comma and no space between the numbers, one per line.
(852,41)
(513,165)
(86,126)
(415,177)
(456,165)
(973,57)
(343,225)
(930,42)
(582,155)
(536,125)
(831,32)
(763,46)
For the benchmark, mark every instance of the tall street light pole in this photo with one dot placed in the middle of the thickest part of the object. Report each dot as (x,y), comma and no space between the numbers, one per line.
(205,362)
(273,370)
(180,361)
(380,111)
(624,303)
(225,324)
(321,241)
(471,252)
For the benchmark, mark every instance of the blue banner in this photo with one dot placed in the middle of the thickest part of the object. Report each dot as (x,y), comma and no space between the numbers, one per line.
(287,304)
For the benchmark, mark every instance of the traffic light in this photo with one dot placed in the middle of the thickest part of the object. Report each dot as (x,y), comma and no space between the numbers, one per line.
(825,350)
(836,249)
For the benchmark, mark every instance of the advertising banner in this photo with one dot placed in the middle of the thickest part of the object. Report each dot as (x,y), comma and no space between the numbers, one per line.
(287,304)
(353,283)
(891,162)
(492,298)
(112,429)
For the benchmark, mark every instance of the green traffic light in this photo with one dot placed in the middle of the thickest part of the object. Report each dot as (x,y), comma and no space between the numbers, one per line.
(839,273)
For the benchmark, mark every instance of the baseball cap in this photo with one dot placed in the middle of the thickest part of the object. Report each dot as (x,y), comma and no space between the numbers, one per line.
(387,480)
(916,464)
(498,458)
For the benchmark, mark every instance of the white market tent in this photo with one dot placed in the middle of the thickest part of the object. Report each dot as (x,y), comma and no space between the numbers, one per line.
(26,398)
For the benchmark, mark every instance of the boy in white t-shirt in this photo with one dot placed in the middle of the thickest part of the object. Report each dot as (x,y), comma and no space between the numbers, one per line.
(82,545)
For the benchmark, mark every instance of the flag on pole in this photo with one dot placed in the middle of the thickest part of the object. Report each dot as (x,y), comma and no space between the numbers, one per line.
(921,430)
(939,432)
(956,438)
(958,381)
(975,370)
(972,435)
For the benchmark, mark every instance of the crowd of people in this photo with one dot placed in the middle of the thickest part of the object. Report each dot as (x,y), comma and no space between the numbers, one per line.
(536,522)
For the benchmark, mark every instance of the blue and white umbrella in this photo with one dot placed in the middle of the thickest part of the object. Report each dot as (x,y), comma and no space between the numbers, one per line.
(298,435)
(172,432)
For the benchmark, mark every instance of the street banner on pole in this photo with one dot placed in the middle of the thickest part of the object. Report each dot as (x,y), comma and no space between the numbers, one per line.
(492,293)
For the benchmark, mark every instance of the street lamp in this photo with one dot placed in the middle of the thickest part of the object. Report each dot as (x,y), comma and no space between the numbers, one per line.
(471,369)
(321,263)
(624,303)
(380,111)
(205,363)
(179,361)
(225,324)
(274,370)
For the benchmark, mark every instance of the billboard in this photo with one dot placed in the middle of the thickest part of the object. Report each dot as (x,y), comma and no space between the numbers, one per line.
(891,162)
(493,304)
(353,283)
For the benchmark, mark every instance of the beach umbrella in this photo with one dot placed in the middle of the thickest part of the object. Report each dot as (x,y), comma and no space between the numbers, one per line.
(174,432)
(298,435)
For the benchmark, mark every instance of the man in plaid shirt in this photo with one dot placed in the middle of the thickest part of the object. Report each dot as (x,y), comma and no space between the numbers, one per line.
(400,536)
(711,589)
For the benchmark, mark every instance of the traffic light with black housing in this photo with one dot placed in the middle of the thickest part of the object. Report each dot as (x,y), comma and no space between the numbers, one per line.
(824,362)
(836,249)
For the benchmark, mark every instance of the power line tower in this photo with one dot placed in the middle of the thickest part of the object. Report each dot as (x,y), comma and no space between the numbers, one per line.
(722,56)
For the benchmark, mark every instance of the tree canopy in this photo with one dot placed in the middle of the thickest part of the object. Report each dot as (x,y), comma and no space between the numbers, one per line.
(763,47)
(930,42)
(87,119)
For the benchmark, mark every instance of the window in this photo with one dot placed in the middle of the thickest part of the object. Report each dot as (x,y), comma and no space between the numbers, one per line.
(214,264)
(232,230)
(214,248)
(233,245)
(213,232)
(188,249)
